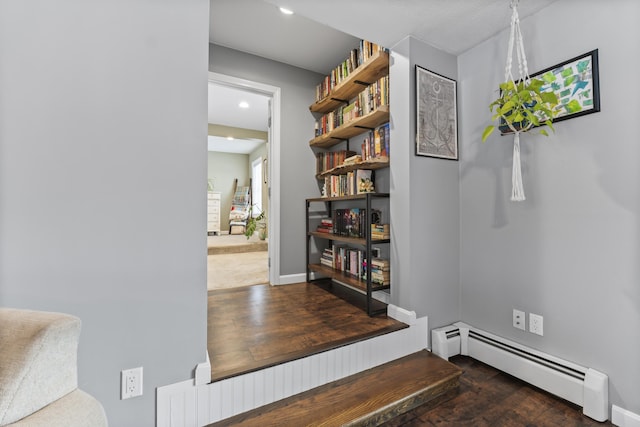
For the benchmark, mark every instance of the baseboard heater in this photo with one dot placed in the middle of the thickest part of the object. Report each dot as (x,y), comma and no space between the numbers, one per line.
(585,387)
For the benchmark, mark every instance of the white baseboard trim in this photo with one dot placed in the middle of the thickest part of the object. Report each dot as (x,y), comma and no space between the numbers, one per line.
(401,315)
(289,279)
(203,372)
(623,418)
(580,385)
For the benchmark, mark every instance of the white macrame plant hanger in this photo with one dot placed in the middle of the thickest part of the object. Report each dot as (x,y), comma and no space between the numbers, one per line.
(515,40)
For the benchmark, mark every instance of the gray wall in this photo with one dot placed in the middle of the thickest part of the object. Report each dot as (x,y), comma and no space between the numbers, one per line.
(424,198)
(103,119)
(224,168)
(569,252)
(297,128)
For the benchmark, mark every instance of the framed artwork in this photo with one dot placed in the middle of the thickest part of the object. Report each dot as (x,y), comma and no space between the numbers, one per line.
(436,115)
(576,84)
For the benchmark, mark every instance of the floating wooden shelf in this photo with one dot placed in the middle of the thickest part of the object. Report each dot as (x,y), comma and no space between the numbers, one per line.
(380,163)
(345,239)
(359,284)
(373,69)
(352,128)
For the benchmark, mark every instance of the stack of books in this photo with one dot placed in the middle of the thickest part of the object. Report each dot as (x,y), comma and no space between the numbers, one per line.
(326,258)
(353,160)
(380,271)
(380,231)
(326,226)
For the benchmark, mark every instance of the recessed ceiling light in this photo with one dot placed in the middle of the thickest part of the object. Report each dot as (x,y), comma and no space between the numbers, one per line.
(230,138)
(243,104)
(286,11)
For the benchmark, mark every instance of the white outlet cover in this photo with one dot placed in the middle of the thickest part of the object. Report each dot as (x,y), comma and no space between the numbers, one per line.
(518,320)
(131,383)
(536,324)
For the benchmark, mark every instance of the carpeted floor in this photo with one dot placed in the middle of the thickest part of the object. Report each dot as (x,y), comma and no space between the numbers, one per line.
(235,243)
(234,261)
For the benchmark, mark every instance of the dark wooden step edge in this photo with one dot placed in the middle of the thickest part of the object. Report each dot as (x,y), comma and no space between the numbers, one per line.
(434,394)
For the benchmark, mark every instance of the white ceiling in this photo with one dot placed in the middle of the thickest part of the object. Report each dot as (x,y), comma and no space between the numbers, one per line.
(238,146)
(224,110)
(257,26)
(223,107)
(315,36)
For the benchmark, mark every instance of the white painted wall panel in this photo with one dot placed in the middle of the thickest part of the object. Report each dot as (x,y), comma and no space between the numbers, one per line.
(216,401)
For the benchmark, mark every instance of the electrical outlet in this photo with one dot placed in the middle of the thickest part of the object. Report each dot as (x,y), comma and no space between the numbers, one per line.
(518,320)
(536,324)
(131,383)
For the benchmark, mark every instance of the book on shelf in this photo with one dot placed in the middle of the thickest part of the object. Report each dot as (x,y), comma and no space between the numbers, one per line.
(353,160)
(376,144)
(380,231)
(365,51)
(380,273)
(364,181)
(380,264)
(350,261)
(325,226)
(370,99)
(346,222)
(332,159)
(359,181)
(353,262)
(327,258)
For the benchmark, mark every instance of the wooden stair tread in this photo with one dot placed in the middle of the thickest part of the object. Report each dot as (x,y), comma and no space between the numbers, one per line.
(371,397)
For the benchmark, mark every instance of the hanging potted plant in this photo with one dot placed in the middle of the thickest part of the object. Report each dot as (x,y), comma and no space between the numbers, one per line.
(521,104)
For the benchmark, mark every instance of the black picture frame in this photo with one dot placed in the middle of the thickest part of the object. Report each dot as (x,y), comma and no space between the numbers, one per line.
(436,115)
(576,83)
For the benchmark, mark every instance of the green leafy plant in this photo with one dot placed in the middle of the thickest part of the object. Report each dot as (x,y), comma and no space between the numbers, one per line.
(254,222)
(522,106)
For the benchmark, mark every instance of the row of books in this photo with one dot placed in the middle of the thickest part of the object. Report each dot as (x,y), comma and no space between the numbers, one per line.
(376,144)
(367,101)
(359,181)
(352,222)
(329,160)
(356,58)
(348,260)
(353,262)
(378,231)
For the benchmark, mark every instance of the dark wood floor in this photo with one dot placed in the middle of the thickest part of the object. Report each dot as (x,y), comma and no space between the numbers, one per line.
(254,327)
(368,398)
(258,326)
(489,397)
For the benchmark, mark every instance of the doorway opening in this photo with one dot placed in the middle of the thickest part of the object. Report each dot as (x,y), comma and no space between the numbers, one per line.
(242,171)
